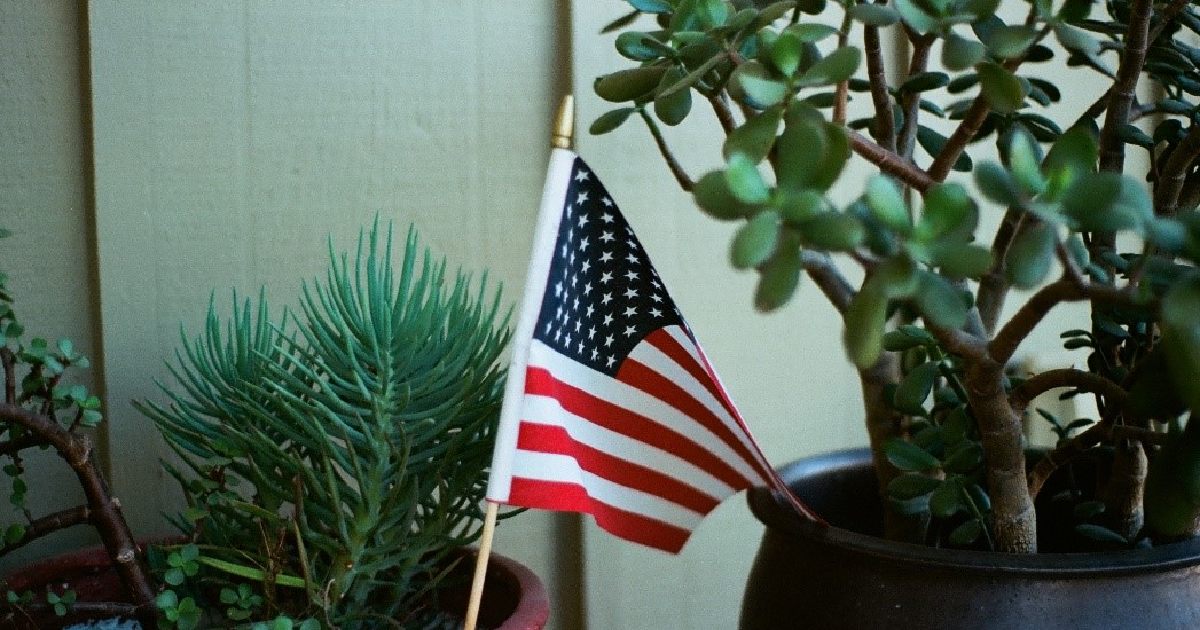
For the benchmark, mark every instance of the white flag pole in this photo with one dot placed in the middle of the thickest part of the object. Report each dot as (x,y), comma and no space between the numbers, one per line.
(500,480)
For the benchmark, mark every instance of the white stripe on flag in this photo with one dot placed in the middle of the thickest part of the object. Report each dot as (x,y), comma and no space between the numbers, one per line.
(547,411)
(607,388)
(658,361)
(677,333)
(563,469)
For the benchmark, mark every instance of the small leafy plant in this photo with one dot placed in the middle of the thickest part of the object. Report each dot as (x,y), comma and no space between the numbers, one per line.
(42,408)
(334,462)
(943,406)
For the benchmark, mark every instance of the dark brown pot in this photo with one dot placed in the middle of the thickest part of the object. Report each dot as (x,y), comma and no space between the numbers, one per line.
(513,599)
(807,576)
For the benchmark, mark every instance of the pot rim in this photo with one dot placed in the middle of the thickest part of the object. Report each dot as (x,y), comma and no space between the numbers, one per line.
(533,606)
(775,514)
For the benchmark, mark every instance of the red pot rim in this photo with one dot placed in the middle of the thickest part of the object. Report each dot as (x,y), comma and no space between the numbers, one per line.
(533,607)
(531,612)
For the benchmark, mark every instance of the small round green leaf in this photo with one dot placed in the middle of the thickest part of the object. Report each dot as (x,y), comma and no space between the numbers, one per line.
(756,86)
(959,260)
(948,211)
(875,14)
(610,120)
(778,279)
(1077,39)
(672,107)
(946,501)
(864,319)
(641,46)
(940,302)
(966,533)
(798,208)
(755,137)
(911,485)
(745,181)
(839,66)
(908,456)
(755,241)
(960,53)
(997,184)
(1030,256)
(811,32)
(914,389)
(714,198)
(630,84)
(887,204)
(1002,89)
(924,81)
(786,53)
(833,231)
(915,16)
(1010,41)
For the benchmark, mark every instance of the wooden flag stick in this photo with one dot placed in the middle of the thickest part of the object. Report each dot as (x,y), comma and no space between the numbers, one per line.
(560,138)
(481,563)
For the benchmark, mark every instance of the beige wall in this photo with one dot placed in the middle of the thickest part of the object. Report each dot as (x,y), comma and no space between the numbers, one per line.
(45,201)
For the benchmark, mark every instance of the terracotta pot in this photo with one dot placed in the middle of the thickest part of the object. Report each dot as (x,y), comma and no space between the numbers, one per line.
(807,576)
(514,598)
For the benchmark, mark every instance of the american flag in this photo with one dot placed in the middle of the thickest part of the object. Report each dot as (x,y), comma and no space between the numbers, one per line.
(612,408)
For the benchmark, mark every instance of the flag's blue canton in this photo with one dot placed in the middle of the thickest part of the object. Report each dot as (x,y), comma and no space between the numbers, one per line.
(602,296)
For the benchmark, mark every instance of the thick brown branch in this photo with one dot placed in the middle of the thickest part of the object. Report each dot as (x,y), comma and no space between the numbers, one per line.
(1065,452)
(826,276)
(889,162)
(1031,313)
(105,510)
(993,286)
(1165,17)
(1169,188)
(911,101)
(973,118)
(971,123)
(46,525)
(14,446)
(1189,197)
(96,610)
(1014,519)
(1076,446)
(842,91)
(1023,394)
(9,363)
(884,128)
(677,171)
(960,342)
(1121,95)
(724,115)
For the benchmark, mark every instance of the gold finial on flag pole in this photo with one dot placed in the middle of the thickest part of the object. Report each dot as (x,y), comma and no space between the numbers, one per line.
(564,124)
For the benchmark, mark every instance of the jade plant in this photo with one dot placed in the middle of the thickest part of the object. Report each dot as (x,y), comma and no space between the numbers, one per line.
(926,329)
(333,460)
(44,409)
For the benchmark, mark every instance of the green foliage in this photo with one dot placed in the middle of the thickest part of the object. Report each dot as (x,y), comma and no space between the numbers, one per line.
(40,380)
(352,439)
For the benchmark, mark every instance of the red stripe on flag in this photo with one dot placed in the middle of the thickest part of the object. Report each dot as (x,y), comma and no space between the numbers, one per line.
(670,346)
(540,382)
(557,495)
(637,374)
(555,440)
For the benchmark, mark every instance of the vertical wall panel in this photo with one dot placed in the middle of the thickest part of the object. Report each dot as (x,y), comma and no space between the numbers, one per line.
(44,201)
